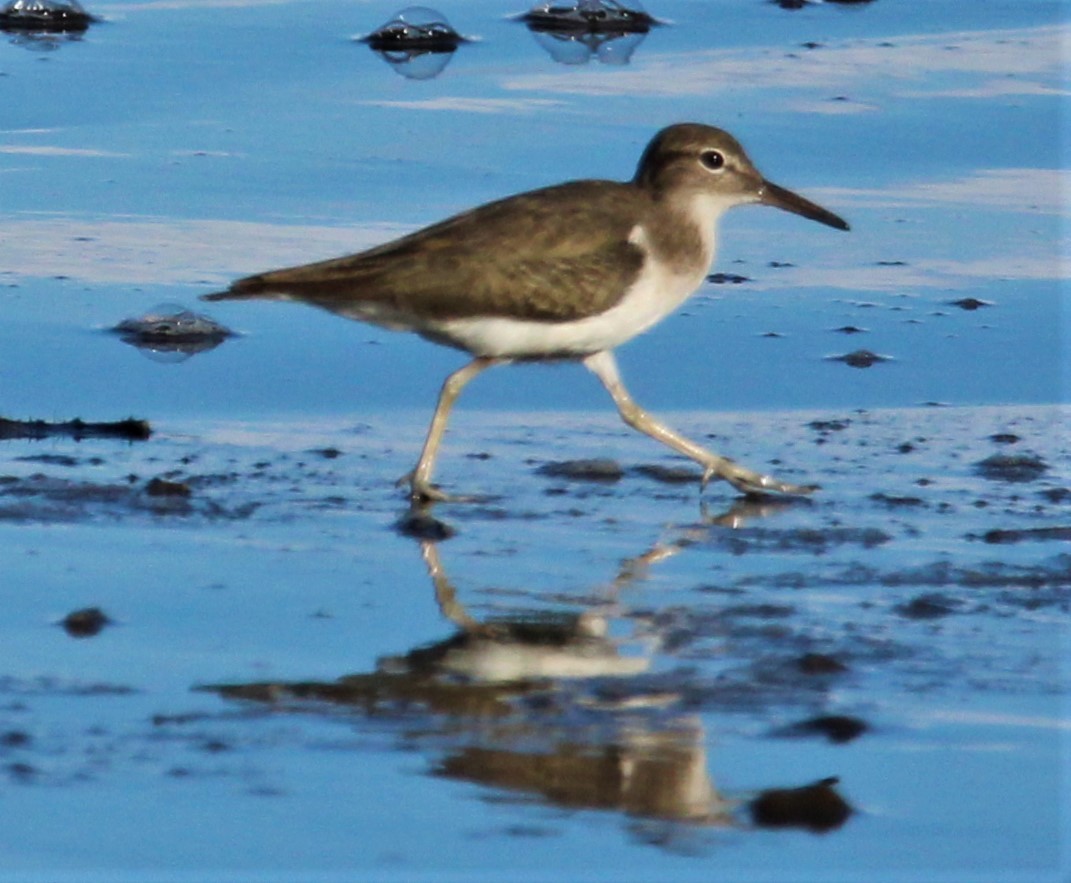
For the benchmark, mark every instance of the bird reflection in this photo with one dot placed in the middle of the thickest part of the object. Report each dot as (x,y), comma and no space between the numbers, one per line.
(555,705)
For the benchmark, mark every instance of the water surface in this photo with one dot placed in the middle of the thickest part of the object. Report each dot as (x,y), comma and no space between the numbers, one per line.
(256,710)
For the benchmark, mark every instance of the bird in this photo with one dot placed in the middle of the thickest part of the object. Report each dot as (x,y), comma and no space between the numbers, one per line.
(565,272)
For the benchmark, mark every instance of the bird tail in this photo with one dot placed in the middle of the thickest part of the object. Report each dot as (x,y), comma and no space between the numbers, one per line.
(243,289)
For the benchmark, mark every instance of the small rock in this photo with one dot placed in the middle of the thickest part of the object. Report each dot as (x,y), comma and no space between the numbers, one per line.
(816,807)
(161,487)
(1001,537)
(668,474)
(837,728)
(820,664)
(1019,469)
(55,16)
(600,469)
(15,739)
(860,358)
(897,502)
(930,606)
(970,303)
(85,623)
(727,278)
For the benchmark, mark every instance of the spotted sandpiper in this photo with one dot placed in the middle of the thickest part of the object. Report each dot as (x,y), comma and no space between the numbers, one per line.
(565,272)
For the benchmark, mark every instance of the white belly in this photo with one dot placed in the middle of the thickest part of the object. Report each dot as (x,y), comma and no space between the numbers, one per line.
(652,297)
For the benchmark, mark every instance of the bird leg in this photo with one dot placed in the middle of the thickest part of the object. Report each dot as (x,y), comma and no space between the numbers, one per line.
(604,366)
(419,480)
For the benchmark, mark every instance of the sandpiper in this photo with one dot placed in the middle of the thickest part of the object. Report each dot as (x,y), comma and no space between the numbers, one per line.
(565,272)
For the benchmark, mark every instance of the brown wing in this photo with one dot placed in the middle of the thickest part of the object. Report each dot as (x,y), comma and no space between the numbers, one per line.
(556,254)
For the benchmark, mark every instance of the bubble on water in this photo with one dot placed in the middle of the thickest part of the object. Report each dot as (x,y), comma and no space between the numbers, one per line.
(416,27)
(44,16)
(590,15)
(575,33)
(417,42)
(170,332)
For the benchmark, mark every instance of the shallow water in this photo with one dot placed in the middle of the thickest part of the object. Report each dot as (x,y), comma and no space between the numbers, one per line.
(250,712)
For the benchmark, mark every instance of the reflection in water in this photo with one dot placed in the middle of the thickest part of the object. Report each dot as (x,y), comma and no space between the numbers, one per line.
(573,33)
(418,42)
(44,25)
(171,333)
(554,705)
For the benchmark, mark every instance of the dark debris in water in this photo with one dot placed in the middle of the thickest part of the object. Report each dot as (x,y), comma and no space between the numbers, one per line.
(816,540)
(85,623)
(727,278)
(860,358)
(602,470)
(162,487)
(970,303)
(170,332)
(1009,536)
(44,498)
(1005,438)
(1021,468)
(827,426)
(836,728)
(417,28)
(668,474)
(44,16)
(928,606)
(820,664)
(130,429)
(816,807)
(593,16)
(896,501)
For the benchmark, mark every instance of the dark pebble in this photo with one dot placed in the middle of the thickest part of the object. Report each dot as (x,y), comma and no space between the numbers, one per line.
(895,502)
(970,303)
(837,728)
(820,664)
(85,623)
(859,358)
(931,606)
(816,807)
(161,487)
(668,474)
(603,470)
(14,739)
(1019,469)
(1001,537)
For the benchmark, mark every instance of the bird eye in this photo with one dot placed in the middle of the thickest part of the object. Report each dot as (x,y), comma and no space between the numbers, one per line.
(712,159)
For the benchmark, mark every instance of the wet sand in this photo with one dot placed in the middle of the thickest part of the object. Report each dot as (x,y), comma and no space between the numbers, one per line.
(606,642)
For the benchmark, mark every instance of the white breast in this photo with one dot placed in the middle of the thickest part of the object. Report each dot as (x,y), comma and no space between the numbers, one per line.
(656,293)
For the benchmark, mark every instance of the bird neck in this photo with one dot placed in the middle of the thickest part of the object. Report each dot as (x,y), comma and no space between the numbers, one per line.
(681,229)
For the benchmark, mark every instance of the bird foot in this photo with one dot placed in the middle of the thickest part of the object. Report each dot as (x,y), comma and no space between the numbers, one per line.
(425,493)
(754,484)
